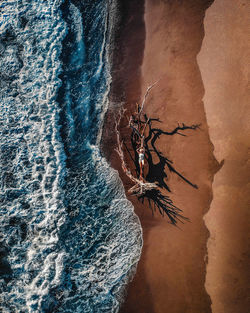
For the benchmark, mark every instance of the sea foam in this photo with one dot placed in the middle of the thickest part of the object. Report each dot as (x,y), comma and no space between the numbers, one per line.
(70,240)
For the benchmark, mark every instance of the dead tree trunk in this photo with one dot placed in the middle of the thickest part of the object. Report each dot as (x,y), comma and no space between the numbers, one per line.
(142,133)
(140,186)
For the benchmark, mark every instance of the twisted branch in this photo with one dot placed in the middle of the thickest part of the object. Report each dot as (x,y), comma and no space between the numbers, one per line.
(145,96)
(140,187)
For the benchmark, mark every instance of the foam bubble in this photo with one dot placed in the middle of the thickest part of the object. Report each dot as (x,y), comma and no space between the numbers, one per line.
(70,239)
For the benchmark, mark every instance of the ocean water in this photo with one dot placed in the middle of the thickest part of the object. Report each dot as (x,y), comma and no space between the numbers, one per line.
(69,238)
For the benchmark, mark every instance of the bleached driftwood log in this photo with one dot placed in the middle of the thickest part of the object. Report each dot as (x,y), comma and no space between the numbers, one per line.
(143,133)
(141,186)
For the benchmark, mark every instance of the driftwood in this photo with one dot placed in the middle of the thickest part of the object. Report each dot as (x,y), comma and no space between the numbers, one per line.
(140,186)
(143,133)
(138,127)
(145,96)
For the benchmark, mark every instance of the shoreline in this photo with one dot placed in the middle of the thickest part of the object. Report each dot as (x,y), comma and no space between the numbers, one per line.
(171,270)
(162,40)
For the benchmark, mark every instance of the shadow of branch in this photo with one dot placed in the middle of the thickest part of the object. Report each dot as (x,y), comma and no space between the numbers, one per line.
(162,203)
(157,171)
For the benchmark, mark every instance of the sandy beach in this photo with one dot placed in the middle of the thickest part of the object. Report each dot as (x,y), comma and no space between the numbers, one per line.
(224,64)
(160,40)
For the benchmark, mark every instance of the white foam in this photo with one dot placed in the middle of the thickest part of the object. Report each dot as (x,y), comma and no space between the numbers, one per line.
(36,76)
(102,244)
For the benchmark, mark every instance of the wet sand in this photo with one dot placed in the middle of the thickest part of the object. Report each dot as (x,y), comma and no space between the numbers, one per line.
(163,39)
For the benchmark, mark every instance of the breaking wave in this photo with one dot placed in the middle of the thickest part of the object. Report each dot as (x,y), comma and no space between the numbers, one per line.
(69,238)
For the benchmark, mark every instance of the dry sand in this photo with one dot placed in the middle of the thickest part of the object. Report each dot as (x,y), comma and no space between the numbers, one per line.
(171,274)
(224,62)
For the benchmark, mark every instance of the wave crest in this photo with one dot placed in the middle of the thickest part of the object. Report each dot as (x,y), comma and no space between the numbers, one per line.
(70,239)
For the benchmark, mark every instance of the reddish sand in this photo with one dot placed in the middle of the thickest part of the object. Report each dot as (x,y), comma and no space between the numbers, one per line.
(224,63)
(171,274)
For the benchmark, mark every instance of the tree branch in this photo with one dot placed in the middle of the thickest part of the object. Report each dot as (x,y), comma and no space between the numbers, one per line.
(140,186)
(145,96)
